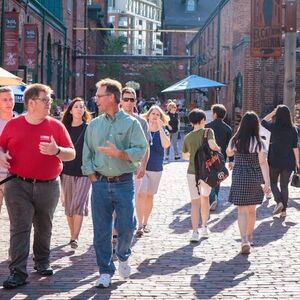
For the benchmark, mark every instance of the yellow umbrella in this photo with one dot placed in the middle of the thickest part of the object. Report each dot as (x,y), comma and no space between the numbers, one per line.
(7,78)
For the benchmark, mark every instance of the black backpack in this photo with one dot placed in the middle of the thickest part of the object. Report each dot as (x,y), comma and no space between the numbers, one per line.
(209,165)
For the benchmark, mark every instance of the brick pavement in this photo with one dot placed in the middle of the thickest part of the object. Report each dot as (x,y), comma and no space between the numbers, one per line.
(165,265)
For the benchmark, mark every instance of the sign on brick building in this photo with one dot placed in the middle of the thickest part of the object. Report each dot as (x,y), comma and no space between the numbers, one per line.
(30,45)
(11,41)
(266,28)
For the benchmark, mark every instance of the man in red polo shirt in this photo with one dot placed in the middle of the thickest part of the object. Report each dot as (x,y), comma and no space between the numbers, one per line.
(32,148)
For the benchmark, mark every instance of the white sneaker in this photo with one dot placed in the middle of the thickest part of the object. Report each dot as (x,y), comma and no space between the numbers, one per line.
(213,206)
(124,269)
(204,232)
(278,208)
(104,281)
(195,237)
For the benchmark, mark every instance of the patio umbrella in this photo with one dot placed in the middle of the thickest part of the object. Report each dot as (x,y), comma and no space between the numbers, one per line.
(193,82)
(7,78)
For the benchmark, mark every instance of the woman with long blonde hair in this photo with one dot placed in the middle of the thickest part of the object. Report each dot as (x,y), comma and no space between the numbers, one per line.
(159,141)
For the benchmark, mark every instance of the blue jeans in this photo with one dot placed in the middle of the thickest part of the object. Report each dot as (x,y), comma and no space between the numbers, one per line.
(108,197)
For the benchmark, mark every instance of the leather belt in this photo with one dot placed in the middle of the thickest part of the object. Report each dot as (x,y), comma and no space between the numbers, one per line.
(111,178)
(32,180)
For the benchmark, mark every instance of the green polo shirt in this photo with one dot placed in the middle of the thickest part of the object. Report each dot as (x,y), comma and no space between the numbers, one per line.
(191,144)
(125,133)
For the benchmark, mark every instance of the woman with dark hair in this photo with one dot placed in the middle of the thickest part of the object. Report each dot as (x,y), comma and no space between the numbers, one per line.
(283,154)
(75,186)
(250,176)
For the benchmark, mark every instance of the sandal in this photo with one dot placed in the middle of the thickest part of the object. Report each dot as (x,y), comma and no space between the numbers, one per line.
(245,248)
(146,228)
(139,232)
(74,244)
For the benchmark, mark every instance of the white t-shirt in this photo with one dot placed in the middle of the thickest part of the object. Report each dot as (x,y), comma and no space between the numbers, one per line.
(3,171)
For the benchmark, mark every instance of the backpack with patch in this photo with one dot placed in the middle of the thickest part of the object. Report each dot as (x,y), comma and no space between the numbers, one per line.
(209,165)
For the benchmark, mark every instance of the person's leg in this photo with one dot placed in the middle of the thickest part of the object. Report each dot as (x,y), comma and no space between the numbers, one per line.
(18,198)
(251,222)
(148,208)
(102,205)
(45,199)
(123,197)
(140,208)
(274,174)
(174,143)
(70,220)
(205,192)
(195,213)
(1,194)
(77,226)
(284,182)
(243,221)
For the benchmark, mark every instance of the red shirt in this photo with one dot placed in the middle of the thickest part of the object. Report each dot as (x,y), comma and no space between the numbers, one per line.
(22,140)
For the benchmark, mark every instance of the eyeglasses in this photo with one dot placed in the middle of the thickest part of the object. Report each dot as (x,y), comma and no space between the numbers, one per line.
(46,100)
(128,99)
(100,96)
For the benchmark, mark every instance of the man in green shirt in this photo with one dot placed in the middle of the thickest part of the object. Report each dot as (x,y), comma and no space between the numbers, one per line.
(113,147)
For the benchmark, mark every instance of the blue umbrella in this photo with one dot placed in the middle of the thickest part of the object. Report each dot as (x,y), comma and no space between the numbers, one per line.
(193,82)
(18,91)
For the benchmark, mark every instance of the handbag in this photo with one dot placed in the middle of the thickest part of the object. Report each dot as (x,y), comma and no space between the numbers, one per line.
(295,182)
(209,165)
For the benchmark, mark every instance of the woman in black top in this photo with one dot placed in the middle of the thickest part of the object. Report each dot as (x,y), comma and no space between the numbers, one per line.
(173,128)
(75,186)
(283,154)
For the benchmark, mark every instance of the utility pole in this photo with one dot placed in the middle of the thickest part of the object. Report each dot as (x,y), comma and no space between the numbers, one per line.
(290,54)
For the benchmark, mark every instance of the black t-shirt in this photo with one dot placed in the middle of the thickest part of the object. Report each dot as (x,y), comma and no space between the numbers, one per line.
(173,122)
(73,167)
(282,143)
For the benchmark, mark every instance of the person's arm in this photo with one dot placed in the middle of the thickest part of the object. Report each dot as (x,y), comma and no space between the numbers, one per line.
(212,141)
(262,156)
(186,155)
(63,153)
(270,116)
(164,139)
(4,157)
(142,168)
(230,150)
(296,154)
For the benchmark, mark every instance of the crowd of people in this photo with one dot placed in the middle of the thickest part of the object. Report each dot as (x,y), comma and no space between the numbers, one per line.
(119,157)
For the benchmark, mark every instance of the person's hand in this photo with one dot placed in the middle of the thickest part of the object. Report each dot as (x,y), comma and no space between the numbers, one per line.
(92,177)
(230,165)
(160,124)
(48,148)
(140,172)
(169,126)
(110,151)
(266,188)
(4,157)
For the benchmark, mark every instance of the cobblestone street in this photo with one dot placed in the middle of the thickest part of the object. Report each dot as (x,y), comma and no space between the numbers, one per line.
(164,263)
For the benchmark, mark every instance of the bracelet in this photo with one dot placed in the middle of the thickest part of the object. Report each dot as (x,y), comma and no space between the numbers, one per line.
(58,151)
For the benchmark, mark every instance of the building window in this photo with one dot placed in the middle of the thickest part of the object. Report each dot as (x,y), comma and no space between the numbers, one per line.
(190,5)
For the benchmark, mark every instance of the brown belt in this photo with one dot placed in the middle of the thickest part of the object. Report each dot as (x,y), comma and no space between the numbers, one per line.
(112,178)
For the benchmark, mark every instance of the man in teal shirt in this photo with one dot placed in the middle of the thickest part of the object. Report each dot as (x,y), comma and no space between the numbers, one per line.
(114,144)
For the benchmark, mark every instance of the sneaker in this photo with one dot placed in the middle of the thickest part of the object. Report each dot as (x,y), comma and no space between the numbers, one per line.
(124,269)
(278,208)
(245,248)
(283,214)
(214,205)
(44,270)
(177,157)
(104,281)
(195,237)
(204,232)
(14,280)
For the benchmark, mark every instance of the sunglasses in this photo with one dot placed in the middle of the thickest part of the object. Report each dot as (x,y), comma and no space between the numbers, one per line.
(128,99)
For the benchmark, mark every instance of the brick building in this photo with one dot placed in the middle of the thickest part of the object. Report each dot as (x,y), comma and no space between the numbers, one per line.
(222,50)
(53,43)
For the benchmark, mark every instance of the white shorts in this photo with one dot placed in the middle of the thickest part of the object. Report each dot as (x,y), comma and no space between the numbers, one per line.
(204,188)
(150,182)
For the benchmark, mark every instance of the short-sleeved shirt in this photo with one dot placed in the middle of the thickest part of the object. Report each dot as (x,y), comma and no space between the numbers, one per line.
(191,144)
(283,141)
(144,126)
(22,140)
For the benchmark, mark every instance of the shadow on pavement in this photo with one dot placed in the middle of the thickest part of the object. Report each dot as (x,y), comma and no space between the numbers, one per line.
(269,231)
(65,279)
(168,263)
(220,276)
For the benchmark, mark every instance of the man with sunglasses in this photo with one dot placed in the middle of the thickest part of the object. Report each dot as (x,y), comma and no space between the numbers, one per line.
(114,144)
(32,148)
